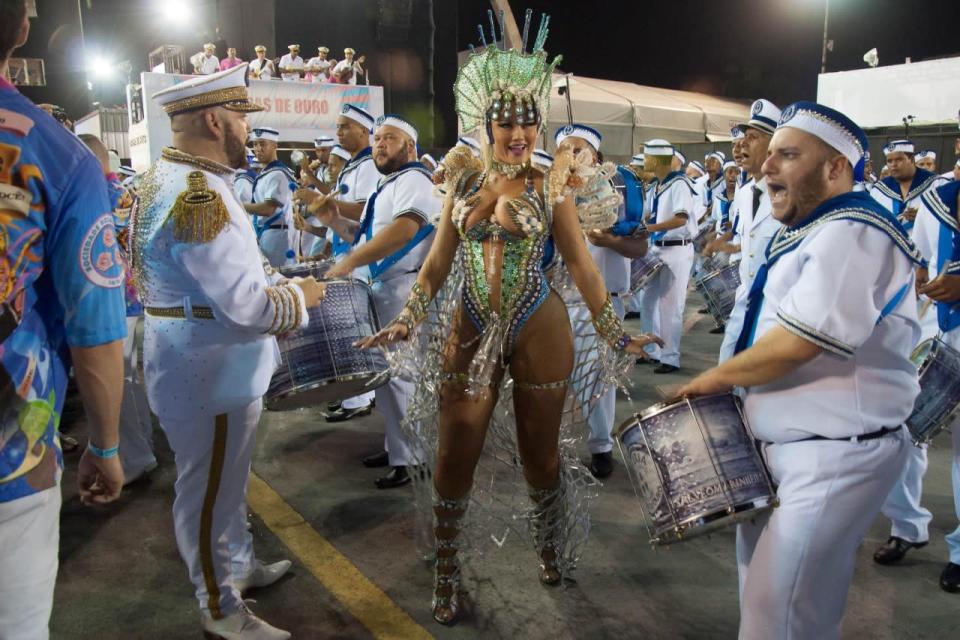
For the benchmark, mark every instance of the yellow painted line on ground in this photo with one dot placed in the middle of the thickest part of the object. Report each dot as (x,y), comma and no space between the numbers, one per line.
(364,600)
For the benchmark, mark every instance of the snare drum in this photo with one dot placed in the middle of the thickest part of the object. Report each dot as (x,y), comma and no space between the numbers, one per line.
(643,270)
(719,289)
(320,364)
(315,268)
(936,406)
(704,235)
(694,467)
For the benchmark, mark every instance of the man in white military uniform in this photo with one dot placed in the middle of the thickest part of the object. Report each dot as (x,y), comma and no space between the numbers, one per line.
(672,228)
(291,64)
(212,311)
(207,63)
(271,206)
(318,67)
(611,249)
(824,359)
(390,243)
(937,234)
(345,71)
(261,68)
(756,224)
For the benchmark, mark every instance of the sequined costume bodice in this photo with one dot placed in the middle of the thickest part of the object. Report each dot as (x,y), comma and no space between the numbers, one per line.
(523,283)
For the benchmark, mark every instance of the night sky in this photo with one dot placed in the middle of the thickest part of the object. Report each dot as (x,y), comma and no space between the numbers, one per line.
(736,48)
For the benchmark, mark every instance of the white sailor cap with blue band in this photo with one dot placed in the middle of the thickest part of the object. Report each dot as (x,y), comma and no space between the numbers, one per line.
(542,158)
(582,131)
(900,146)
(340,152)
(323,142)
(358,115)
(831,126)
(764,116)
(719,155)
(926,154)
(428,158)
(265,133)
(637,160)
(698,166)
(679,156)
(126,172)
(399,122)
(657,147)
(472,143)
(729,164)
(736,133)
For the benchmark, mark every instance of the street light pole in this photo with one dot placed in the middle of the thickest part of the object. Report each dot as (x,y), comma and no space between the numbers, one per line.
(826,18)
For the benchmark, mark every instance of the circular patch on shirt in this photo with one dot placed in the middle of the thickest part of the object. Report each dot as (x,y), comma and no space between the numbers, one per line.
(99,257)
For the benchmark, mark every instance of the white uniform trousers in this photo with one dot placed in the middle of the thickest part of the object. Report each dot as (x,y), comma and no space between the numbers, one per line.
(603,412)
(796,562)
(30,540)
(274,244)
(953,539)
(209,513)
(393,397)
(136,424)
(664,300)
(908,519)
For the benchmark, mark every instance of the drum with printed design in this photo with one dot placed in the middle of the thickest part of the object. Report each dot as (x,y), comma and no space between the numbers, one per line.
(719,289)
(315,268)
(643,270)
(319,363)
(937,405)
(694,467)
(705,233)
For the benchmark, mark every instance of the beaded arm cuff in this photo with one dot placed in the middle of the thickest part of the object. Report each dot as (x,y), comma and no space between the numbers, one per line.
(415,309)
(609,327)
(288,308)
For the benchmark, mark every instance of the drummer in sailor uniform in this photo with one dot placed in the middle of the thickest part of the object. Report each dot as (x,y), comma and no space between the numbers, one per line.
(899,192)
(672,228)
(261,67)
(389,244)
(243,180)
(271,200)
(714,183)
(869,179)
(824,359)
(756,224)
(212,308)
(611,250)
(926,159)
(356,182)
(633,303)
(937,234)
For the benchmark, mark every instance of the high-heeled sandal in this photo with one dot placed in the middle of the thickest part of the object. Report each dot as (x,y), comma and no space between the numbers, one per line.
(545,522)
(447,516)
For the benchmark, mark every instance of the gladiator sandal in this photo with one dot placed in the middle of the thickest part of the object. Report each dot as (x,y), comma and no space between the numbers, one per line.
(546,524)
(447,517)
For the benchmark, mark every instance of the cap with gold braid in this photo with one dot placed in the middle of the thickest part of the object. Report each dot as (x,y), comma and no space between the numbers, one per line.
(227,89)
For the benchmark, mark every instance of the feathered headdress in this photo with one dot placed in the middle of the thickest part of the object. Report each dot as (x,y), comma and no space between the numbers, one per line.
(495,81)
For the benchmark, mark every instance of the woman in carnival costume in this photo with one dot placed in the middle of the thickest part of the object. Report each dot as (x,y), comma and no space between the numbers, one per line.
(483,325)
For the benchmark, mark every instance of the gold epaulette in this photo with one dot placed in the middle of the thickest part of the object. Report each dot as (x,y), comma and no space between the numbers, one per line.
(199,213)
(559,175)
(458,161)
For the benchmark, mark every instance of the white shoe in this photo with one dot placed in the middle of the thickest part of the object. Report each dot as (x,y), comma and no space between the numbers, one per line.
(129,478)
(239,625)
(263,575)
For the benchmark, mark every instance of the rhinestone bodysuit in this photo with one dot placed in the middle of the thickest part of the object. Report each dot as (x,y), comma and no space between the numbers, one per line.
(523,283)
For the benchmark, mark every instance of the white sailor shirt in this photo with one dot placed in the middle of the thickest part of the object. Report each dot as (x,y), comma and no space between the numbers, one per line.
(675,195)
(291,62)
(261,71)
(209,65)
(319,69)
(833,290)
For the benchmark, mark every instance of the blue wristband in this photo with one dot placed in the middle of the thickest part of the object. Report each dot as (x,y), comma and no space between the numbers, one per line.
(103,453)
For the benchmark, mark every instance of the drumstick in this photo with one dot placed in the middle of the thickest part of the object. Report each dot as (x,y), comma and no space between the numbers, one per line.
(924,308)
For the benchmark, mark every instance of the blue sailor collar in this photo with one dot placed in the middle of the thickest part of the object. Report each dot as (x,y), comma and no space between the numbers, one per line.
(355,161)
(670,179)
(419,167)
(276,165)
(922,180)
(855,206)
(942,203)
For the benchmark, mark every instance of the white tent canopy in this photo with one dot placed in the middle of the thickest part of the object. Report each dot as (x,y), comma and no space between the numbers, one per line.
(627,114)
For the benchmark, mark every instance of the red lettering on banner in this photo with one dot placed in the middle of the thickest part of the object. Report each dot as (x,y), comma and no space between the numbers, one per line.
(324,107)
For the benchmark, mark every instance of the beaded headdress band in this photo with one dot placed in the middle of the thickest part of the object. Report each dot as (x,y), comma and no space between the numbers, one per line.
(496,83)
